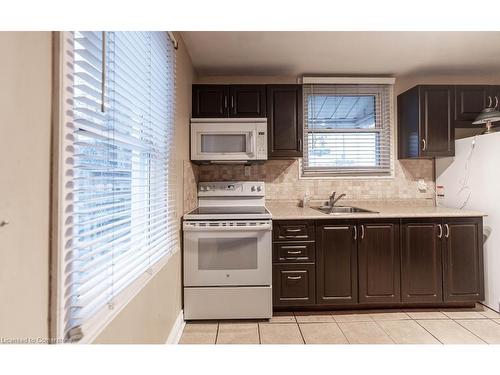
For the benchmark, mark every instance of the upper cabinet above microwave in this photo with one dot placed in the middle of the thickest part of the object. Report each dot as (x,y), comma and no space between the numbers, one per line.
(280,104)
(214,101)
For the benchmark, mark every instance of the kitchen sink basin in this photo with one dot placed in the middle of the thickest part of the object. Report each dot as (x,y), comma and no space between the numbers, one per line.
(335,210)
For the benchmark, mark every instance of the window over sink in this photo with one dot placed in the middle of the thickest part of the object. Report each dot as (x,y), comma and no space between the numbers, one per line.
(347,130)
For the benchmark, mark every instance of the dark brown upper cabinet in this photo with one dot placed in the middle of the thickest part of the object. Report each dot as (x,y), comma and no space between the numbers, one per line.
(379,262)
(470,100)
(421,261)
(284,119)
(229,101)
(247,101)
(336,263)
(463,259)
(210,101)
(426,122)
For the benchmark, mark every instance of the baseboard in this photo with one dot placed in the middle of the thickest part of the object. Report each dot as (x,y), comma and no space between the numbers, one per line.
(176,331)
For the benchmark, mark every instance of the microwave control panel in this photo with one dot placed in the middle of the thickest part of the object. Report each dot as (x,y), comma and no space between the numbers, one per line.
(261,142)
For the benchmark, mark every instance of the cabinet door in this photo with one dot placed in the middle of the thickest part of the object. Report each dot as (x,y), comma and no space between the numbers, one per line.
(379,262)
(421,261)
(210,101)
(463,260)
(293,285)
(247,101)
(284,119)
(470,100)
(437,130)
(336,263)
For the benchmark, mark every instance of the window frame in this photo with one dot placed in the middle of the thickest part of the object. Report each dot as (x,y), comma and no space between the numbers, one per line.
(308,173)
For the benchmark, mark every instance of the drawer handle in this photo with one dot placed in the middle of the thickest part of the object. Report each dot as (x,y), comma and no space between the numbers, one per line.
(293,252)
(293,247)
(294,277)
(293,230)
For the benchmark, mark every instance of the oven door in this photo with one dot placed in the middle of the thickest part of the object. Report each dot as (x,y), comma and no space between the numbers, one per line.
(223,253)
(213,142)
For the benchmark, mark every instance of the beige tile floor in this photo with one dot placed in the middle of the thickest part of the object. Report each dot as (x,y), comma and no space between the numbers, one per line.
(479,325)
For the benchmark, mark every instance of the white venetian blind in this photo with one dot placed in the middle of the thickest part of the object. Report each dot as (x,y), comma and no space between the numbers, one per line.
(347,130)
(119,202)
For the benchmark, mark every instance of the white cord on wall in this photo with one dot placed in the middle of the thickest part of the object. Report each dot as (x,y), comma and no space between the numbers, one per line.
(465,182)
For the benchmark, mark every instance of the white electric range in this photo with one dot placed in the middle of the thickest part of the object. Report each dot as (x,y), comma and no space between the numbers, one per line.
(227,253)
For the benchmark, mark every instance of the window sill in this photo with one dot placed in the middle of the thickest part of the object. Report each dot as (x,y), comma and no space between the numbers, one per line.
(94,327)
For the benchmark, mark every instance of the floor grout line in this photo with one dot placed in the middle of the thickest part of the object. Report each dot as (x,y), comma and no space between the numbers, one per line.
(383,330)
(429,332)
(479,337)
(217,333)
(301,335)
(258,331)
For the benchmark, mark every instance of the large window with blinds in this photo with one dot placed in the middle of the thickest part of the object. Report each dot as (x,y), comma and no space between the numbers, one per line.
(118,202)
(347,130)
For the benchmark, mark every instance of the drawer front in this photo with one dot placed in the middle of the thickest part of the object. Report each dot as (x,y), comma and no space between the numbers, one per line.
(294,252)
(293,230)
(293,285)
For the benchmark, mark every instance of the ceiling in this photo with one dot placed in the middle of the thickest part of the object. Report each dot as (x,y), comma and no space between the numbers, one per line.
(361,53)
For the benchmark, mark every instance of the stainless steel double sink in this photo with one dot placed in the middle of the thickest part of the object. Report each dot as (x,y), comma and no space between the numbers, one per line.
(337,210)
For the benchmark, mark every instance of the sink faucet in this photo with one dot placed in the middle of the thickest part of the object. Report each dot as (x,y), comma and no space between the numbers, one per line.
(334,200)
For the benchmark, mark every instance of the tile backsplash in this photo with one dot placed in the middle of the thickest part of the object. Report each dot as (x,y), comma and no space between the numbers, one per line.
(283,182)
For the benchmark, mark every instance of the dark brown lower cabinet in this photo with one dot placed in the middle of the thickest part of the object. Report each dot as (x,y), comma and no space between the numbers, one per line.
(463,260)
(293,284)
(336,263)
(379,262)
(421,261)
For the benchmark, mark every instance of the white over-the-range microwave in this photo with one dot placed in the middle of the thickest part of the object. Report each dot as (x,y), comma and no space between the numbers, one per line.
(228,140)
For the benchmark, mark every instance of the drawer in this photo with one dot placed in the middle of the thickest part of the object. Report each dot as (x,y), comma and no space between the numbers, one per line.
(294,252)
(293,284)
(293,230)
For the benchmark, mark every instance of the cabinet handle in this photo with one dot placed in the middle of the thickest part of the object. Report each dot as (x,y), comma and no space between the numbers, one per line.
(424,144)
(232,101)
(294,277)
(225,101)
(496,102)
(362,231)
(300,144)
(293,230)
(355,233)
(490,102)
(294,252)
(440,235)
(447,235)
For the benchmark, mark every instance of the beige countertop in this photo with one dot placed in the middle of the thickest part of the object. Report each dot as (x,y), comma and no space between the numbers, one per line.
(289,210)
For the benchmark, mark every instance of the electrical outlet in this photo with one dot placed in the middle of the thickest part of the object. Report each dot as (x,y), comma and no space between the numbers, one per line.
(247,170)
(422,185)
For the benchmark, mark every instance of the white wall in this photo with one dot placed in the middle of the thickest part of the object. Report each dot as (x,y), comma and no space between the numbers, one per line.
(25,135)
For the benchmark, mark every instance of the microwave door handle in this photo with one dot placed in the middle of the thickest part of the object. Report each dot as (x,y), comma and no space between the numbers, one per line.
(250,143)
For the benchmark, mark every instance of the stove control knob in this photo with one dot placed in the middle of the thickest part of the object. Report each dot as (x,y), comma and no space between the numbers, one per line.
(207,188)
(259,188)
(253,188)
